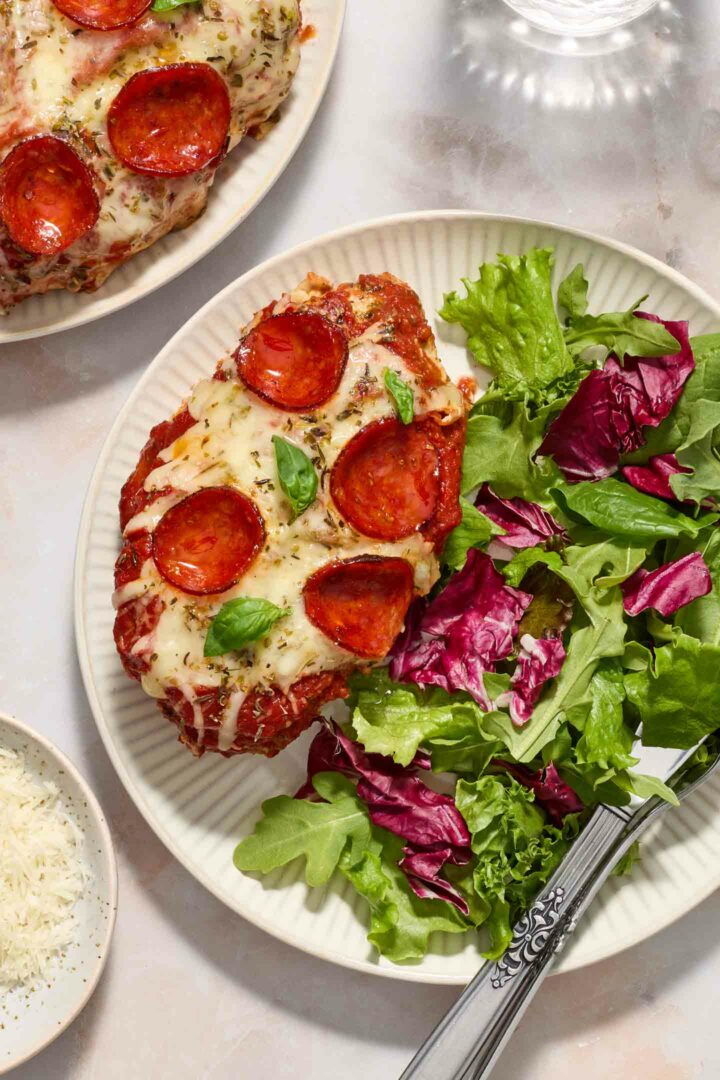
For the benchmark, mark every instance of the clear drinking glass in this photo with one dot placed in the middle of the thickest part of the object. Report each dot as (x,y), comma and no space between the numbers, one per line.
(580,18)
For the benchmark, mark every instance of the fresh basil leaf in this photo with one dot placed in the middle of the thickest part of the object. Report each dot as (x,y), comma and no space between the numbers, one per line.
(678,700)
(402,395)
(240,621)
(622,510)
(316,831)
(296,474)
(473,531)
(573,292)
(511,323)
(621,332)
(170,5)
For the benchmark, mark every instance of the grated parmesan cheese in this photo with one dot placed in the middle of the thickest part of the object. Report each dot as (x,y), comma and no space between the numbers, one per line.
(42,873)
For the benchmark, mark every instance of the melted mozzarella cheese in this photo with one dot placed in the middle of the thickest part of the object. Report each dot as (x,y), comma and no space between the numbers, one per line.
(231,443)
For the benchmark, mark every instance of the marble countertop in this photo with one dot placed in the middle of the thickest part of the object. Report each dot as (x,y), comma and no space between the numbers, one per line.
(447,103)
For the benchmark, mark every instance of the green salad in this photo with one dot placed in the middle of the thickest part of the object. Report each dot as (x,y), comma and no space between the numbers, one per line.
(580,598)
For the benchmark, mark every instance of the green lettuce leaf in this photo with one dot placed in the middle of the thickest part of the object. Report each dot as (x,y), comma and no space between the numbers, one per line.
(502,439)
(703,457)
(678,700)
(473,531)
(628,861)
(606,739)
(318,832)
(509,317)
(400,922)
(396,718)
(573,292)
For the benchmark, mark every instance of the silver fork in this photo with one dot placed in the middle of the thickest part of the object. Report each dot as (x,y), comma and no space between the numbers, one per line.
(468,1041)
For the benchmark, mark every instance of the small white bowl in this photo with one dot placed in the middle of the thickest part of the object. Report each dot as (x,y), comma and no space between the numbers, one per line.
(30,1021)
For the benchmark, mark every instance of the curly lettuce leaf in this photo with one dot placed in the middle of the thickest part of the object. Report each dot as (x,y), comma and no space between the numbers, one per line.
(509,317)
(395,719)
(517,850)
(701,618)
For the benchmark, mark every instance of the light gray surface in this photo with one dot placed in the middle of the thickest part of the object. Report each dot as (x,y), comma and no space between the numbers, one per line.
(431,105)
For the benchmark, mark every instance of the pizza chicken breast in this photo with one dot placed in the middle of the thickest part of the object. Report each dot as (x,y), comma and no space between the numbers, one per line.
(315,475)
(113,120)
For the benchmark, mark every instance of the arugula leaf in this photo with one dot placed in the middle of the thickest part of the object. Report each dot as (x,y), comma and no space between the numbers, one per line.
(620,332)
(646,786)
(703,457)
(170,5)
(572,292)
(401,923)
(240,621)
(509,317)
(500,445)
(678,700)
(517,851)
(394,719)
(401,394)
(319,832)
(296,474)
(473,531)
(622,510)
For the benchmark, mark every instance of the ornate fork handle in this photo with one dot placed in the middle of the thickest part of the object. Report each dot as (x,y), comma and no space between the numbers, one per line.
(466,1043)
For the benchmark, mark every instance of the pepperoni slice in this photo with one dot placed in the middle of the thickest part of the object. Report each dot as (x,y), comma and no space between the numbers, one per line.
(103,14)
(386,481)
(361,603)
(294,360)
(206,542)
(47,195)
(170,121)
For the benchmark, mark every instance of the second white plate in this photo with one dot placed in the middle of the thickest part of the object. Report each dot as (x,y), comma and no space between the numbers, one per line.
(201,808)
(243,180)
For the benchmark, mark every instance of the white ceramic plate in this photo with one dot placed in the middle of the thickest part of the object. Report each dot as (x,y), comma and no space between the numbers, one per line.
(243,180)
(31,1021)
(201,808)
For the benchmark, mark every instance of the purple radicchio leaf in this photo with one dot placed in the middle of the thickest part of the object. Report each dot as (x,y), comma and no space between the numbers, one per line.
(654,478)
(606,415)
(668,588)
(422,869)
(461,634)
(540,659)
(551,792)
(525,523)
(401,802)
